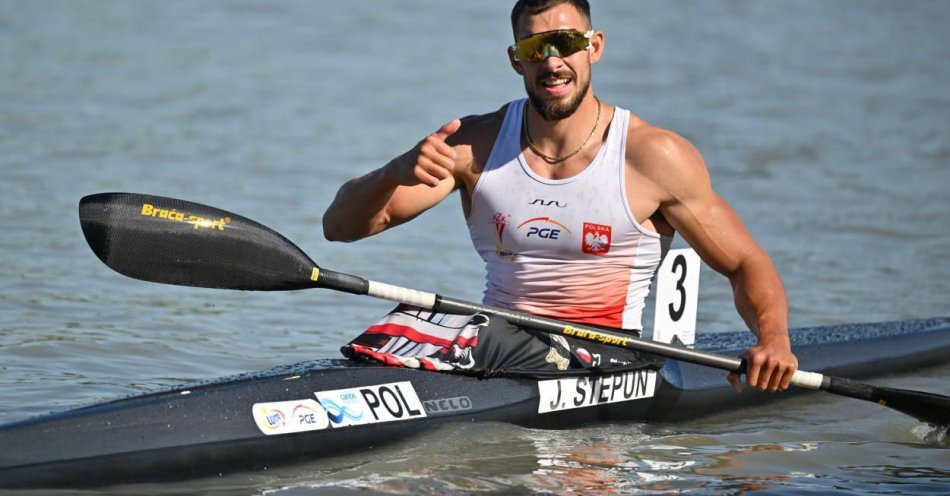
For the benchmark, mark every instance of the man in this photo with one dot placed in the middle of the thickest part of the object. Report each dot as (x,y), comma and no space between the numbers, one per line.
(572,202)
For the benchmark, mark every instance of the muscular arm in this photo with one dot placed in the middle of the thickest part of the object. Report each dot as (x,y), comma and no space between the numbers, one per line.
(676,176)
(395,193)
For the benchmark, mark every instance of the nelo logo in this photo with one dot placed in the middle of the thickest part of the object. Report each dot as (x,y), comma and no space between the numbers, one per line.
(596,239)
(445,405)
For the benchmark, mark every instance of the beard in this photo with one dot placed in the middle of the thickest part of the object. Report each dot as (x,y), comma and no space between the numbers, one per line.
(555,110)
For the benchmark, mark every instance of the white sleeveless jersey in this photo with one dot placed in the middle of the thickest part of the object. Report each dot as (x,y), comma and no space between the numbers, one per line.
(569,248)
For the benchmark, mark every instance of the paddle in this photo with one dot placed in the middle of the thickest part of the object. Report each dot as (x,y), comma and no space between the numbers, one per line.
(183,243)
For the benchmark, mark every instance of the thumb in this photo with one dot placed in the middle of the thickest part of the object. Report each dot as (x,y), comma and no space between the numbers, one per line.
(448,129)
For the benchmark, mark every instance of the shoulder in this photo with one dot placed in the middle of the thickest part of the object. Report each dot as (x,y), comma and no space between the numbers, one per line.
(663,157)
(478,127)
(474,140)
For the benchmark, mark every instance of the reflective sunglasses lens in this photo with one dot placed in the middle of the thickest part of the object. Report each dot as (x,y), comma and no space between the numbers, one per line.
(557,43)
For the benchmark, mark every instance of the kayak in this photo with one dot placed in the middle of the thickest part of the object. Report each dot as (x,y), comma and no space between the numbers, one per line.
(329,407)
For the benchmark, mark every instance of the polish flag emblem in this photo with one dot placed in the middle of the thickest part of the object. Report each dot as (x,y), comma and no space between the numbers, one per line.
(596,239)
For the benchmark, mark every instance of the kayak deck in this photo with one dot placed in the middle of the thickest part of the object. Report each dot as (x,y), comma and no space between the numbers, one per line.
(328,407)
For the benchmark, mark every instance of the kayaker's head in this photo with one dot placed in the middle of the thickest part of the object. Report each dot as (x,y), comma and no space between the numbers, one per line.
(554,49)
(535,7)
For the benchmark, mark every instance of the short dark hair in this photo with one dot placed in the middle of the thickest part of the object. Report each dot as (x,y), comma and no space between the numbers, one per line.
(535,7)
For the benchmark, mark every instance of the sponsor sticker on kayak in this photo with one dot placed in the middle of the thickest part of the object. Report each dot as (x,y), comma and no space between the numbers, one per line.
(371,404)
(448,405)
(285,417)
(582,392)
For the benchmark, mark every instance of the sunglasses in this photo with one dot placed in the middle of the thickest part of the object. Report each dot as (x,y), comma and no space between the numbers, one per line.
(557,43)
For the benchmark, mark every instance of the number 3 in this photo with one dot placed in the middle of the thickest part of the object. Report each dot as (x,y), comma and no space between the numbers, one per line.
(679,263)
(677,294)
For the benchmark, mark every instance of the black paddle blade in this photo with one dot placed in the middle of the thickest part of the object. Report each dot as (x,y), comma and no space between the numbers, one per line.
(178,242)
(927,407)
(933,409)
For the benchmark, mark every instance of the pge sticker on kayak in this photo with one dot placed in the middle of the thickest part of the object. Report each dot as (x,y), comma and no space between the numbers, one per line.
(285,417)
(582,392)
(371,404)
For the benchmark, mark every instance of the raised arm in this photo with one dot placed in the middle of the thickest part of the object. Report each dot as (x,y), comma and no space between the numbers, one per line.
(395,193)
(677,175)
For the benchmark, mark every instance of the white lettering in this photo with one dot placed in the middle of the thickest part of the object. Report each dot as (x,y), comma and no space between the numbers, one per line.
(581,392)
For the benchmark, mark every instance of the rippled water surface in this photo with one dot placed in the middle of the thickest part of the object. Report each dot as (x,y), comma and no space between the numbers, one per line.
(825,124)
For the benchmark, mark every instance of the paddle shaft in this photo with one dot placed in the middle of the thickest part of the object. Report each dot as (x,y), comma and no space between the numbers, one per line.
(931,408)
(434,302)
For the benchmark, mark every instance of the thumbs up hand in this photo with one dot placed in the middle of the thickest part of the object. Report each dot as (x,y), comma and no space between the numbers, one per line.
(430,161)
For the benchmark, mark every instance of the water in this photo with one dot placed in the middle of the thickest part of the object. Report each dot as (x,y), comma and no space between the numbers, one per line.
(826,125)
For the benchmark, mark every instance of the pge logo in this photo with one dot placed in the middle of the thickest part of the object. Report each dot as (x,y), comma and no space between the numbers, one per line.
(544,228)
(305,415)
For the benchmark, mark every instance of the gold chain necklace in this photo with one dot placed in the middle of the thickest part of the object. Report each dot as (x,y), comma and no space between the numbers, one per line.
(554,160)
